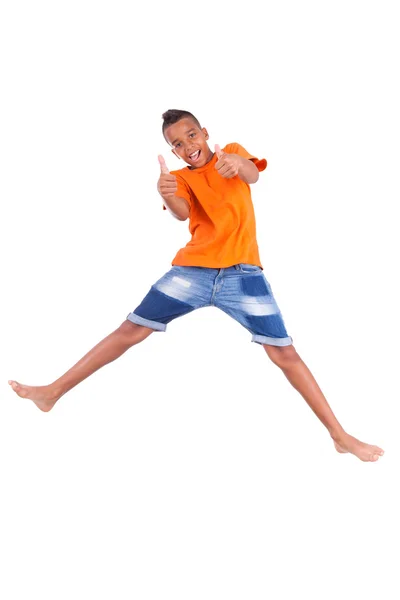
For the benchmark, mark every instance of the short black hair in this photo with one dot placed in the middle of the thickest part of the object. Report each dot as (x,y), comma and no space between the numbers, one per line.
(173,115)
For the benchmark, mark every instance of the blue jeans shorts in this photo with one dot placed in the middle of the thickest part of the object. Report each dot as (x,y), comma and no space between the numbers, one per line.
(241,291)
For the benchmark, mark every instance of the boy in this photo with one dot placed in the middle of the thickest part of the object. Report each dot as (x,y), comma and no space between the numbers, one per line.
(220,266)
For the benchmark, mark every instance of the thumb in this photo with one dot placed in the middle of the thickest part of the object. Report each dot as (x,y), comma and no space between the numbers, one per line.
(163,165)
(218,151)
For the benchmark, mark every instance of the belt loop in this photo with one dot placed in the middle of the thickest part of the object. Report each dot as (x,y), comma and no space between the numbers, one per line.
(236,267)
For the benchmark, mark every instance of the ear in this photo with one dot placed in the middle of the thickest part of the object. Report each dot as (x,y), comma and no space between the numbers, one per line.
(205,133)
(176,154)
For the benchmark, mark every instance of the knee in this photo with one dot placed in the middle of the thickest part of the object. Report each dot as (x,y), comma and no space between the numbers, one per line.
(133,332)
(282,356)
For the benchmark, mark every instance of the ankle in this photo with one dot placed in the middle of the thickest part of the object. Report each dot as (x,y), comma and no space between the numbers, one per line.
(337,433)
(55,390)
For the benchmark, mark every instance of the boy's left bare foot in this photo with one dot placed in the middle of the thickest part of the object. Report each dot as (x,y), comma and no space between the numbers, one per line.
(365,452)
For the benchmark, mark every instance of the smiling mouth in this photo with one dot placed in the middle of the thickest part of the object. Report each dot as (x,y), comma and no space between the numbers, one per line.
(195,155)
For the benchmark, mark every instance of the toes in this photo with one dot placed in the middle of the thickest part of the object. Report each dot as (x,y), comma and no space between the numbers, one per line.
(18,388)
(376,451)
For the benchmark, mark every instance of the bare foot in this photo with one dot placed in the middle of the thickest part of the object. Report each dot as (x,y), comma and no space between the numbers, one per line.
(43,396)
(366,452)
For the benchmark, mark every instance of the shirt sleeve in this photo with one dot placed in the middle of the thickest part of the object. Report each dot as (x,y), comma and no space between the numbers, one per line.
(183,190)
(235,148)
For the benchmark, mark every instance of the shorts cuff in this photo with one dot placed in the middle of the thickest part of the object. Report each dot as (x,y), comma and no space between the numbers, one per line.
(146,322)
(262,339)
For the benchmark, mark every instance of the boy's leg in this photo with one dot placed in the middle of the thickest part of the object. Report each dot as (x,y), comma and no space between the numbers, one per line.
(248,298)
(111,347)
(178,292)
(301,378)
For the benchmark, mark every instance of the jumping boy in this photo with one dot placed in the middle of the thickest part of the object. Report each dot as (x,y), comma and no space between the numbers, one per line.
(220,266)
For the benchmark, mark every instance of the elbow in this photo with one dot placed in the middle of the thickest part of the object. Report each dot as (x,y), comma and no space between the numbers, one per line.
(181,217)
(253,179)
(256,177)
(184,214)
(251,176)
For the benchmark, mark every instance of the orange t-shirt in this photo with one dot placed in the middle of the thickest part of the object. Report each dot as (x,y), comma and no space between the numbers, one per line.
(221,219)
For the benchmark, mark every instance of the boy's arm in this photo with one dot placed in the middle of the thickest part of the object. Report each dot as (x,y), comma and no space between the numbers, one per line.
(167,187)
(232,163)
(247,171)
(178,207)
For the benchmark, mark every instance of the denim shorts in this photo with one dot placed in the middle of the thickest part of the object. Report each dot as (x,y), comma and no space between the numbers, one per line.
(241,291)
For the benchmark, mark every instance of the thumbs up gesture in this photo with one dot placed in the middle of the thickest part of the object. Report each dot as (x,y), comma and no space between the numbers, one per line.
(227,165)
(167,184)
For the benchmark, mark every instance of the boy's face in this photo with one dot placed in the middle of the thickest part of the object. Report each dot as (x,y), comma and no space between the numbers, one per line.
(189,142)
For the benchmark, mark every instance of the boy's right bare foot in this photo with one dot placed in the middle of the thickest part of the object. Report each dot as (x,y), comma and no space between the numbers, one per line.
(43,396)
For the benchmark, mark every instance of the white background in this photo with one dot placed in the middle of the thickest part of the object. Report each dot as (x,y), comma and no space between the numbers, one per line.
(190,468)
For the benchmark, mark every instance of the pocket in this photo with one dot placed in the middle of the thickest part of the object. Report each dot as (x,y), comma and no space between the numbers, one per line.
(246,268)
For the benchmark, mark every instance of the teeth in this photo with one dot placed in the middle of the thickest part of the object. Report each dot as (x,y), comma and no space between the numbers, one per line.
(194,154)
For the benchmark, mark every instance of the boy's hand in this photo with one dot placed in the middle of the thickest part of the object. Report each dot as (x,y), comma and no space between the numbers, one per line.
(227,164)
(167,184)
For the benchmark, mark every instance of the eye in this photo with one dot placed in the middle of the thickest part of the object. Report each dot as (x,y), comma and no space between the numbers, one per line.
(192,135)
(177,145)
